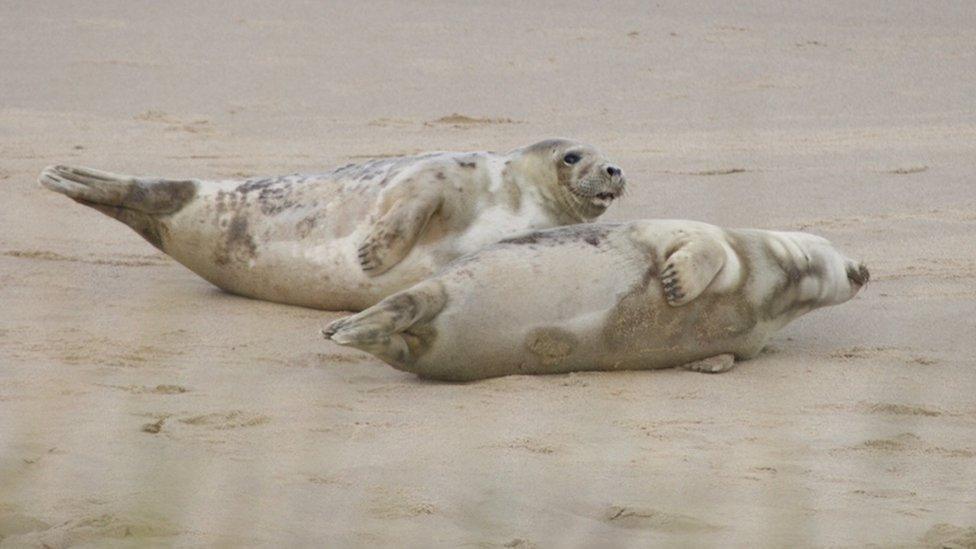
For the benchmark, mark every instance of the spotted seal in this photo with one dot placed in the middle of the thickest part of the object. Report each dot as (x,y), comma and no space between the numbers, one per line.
(345,239)
(602,296)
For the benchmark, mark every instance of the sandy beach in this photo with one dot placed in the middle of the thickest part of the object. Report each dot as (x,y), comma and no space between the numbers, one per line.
(141,406)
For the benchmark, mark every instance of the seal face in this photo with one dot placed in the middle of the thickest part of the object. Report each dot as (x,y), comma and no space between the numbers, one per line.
(345,239)
(604,296)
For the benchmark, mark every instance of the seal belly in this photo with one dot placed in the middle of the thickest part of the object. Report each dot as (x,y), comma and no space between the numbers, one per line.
(274,246)
(304,254)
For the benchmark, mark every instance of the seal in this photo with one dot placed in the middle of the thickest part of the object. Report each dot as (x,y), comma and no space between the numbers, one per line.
(638,295)
(345,239)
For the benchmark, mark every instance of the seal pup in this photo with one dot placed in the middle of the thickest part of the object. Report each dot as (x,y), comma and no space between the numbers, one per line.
(637,295)
(345,239)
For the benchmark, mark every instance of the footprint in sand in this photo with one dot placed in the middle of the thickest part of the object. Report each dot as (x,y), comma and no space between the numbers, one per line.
(895,409)
(908,171)
(949,536)
(462,121)
(124,261)
(390,122)
(718,171)
(202,126)
(234,419)
(144,389)
(390,503)
(14,524)
(899,443)
(526,444)
(154,427)
(652,519)
(909,443)
(858,353)
(885,493)
(96,531)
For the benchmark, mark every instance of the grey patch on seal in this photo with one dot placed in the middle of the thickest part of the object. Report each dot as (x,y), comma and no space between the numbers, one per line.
(591,234)
(147,225)
(785,295)
(513,193)
(160,197)
(550,345)
(273,194)
(238,244)
(466,164)
(305,226)
(642,325)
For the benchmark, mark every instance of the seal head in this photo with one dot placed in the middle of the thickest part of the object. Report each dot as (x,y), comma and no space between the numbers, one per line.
(581,181)
(812,274)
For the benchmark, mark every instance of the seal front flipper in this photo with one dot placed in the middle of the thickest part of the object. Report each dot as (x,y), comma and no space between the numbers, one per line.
(394,329)
(712,365)
(692,262)
(392,237)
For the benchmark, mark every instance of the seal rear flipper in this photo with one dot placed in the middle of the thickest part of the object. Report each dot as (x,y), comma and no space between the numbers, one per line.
(106,191)
(373,331)
(394,329)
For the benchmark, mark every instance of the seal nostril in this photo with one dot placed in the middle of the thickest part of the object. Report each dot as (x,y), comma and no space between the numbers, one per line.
(613,171)
(858,274)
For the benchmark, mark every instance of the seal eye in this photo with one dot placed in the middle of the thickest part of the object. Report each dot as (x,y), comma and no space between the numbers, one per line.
(571,158)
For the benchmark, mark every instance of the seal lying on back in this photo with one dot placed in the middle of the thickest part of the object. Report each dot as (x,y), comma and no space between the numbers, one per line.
(638,295)
(345,239)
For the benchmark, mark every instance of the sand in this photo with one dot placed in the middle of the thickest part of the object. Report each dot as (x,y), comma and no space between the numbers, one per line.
(139,405)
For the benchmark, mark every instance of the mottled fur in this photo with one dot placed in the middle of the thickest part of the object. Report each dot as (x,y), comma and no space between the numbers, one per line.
(345,239)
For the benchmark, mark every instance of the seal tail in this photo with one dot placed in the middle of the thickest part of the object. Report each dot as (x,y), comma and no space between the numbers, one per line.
(107,192)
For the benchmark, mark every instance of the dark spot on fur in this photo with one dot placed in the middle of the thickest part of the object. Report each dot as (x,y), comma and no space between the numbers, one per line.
(440,176)
(238,244)
(386,180)
(305,226)
(550,345)
(252,185)
(159,197)
(466,164)
(528,238)
(274,194)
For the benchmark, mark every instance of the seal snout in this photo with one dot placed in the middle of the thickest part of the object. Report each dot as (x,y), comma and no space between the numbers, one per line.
(614,186)
(603,184)
(858,274)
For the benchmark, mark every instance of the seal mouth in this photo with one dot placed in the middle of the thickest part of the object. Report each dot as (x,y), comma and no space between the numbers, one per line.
(603,200)
(600,199)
